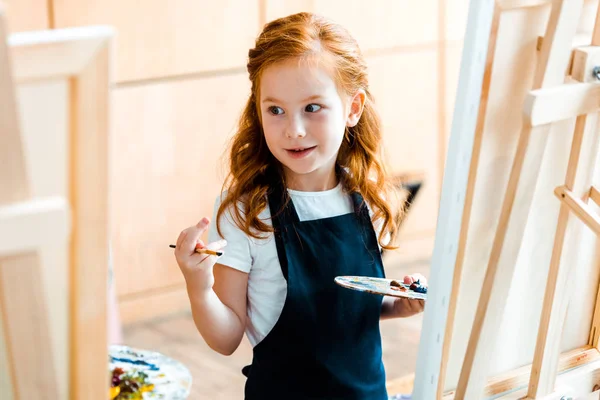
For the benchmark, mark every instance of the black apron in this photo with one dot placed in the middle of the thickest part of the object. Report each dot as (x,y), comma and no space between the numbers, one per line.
(326,343)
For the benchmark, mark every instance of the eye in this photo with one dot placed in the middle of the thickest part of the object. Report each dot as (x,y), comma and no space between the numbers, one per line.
(312,108)
(275,110)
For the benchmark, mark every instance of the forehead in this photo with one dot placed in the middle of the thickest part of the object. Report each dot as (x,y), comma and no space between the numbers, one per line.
(295,80)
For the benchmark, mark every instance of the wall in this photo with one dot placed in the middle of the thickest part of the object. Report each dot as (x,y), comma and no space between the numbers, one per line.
(180,85)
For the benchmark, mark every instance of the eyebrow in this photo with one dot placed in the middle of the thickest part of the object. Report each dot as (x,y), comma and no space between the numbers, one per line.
(274,100)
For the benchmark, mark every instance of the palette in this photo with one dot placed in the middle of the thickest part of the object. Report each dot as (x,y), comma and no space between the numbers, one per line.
(379,286)
(171,379)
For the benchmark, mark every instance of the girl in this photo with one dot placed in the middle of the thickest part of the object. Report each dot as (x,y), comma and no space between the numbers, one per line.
(304,165)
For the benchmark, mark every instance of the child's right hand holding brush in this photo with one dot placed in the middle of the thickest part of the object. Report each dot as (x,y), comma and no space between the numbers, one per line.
(196,266)
(220,326)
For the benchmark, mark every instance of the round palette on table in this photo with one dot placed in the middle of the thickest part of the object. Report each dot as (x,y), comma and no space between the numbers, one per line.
(171,379)
(380,286)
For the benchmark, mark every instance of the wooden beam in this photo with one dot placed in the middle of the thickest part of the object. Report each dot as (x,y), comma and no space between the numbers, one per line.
(544,106)
(550,70)
(89,170)
(29,225)
(30,358)
(13,173)
(567,361)
(596,32)
(577,383)
(584,60)
(511,4)
(517,379)
(34,54)
(579,208)
(593,339)
(595,195)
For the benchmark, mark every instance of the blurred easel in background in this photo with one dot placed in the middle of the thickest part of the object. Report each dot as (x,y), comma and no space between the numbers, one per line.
(54,127)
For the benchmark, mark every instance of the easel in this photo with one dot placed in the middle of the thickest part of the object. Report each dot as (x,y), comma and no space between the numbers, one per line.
(37,230)
(555,54)
(550,101)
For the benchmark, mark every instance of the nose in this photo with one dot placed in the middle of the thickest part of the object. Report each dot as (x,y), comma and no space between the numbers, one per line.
(295,128)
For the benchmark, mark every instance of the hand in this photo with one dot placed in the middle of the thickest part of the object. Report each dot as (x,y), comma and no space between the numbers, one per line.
(405,307)
(409,279)
(197,268)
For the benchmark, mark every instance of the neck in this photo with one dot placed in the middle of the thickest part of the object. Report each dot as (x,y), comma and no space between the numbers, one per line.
(313,182)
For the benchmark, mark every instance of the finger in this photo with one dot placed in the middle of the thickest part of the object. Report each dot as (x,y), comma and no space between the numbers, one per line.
(418,306)
(194,234)
(180,239)
(199,258)
(217,245)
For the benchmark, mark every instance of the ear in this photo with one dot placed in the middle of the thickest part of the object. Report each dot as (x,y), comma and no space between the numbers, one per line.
(357,104)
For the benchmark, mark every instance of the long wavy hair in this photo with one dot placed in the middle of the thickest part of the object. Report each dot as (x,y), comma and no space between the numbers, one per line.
(252,167)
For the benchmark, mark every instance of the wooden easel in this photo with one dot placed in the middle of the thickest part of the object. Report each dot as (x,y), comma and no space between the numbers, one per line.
(64,223)
(564,88)
(549,102)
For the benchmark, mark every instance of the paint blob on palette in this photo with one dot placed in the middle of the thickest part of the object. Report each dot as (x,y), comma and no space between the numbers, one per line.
(154,375)
(382,286)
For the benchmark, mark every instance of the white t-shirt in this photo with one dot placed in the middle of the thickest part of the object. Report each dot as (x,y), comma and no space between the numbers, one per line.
(267,288)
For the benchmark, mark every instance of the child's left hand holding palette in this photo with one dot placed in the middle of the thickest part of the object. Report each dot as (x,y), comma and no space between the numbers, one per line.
(384,287)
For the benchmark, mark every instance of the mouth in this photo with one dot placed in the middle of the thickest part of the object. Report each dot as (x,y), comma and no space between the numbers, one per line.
(299,152)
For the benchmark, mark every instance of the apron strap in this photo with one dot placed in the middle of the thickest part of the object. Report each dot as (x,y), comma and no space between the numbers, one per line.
(281,206)
(360,207)
(283,215)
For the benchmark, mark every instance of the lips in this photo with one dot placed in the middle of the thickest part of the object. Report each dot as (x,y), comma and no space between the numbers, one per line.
(300,152)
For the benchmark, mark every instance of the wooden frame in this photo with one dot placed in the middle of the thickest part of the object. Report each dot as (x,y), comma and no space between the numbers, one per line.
(541,111)
(82,57)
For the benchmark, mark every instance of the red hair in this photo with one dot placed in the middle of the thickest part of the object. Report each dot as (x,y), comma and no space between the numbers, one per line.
(252,167)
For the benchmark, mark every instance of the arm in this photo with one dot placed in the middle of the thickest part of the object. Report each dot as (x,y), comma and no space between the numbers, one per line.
(400,307)
(220,313)
(217,293)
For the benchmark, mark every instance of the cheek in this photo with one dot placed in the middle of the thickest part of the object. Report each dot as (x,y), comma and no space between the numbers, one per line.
(268,128)
(271,135)
(332,131)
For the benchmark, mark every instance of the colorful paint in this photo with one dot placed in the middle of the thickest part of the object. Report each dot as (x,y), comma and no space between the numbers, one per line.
(151,374)
(384,287)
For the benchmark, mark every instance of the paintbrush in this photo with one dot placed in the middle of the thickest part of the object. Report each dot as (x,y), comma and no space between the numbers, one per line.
(203,251)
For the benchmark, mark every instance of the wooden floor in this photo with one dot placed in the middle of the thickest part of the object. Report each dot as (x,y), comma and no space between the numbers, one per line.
(218,377)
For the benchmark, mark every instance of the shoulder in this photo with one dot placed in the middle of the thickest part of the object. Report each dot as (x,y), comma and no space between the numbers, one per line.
(241,248)
(227,221)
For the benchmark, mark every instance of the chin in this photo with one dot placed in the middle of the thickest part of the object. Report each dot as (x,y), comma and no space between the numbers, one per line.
(300,169)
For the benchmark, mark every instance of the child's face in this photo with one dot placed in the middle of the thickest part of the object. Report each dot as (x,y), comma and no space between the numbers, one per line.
(304,120)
